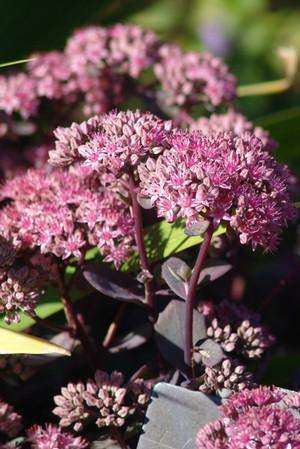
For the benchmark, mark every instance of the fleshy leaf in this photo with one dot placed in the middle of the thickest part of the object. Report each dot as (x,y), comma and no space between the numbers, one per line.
(197,228)
(169,332)
(213,270)
(12,342)
(134,339)
(209,352)
(113,283)
(176,273)
(175,416)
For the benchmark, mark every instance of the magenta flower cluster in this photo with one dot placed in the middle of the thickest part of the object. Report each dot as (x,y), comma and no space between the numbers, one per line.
(96,63)
(61,213)
(191,77)
(10,421)
(256,419)
(52,437)
(115,142)
(220,177)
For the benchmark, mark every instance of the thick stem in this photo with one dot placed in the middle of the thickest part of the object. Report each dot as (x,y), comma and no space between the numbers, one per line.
(139,237)
(192,293)
(114,326)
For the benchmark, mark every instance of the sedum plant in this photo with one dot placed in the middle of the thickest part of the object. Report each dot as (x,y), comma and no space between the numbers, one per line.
(91,194)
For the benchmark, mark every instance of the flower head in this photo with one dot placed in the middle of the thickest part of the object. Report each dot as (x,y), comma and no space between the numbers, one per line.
(18,94)
(221,177)
(62,213)
(114,142)
(188,78)
(52,437)
(256,419)
(234,122)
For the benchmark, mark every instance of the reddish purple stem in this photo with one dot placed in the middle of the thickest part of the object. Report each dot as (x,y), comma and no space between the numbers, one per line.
(139,237)
(192,293)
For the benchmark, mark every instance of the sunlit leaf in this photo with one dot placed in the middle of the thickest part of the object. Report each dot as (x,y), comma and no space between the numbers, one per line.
(12,342)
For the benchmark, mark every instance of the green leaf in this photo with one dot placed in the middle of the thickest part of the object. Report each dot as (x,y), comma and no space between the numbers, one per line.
(284,127)
(17,343)
(165,239)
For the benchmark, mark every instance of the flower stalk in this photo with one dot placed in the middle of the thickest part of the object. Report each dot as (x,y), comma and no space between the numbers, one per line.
(138,230)
(192,293)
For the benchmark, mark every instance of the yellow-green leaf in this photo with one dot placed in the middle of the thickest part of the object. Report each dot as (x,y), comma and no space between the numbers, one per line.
(12,342)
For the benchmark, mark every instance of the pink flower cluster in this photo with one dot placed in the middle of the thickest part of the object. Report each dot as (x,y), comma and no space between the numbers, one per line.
(255,419)
(106,400)
(114,142)
(52,437)
(64,214)
(220,177)
(192,77)
(235,122)
(97,62)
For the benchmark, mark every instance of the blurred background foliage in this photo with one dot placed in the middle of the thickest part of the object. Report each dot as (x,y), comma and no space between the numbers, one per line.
(246,33)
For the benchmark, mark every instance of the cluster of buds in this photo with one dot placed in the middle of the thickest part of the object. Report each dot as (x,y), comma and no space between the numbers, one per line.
(106,400)
(15,366)
(20,283)
(237,329)
(225,378)
(257,418)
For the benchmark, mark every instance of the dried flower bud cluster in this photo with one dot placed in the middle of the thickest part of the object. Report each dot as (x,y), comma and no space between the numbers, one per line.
(223,178)
(52,437)
(237,329)
(10,421)
(188,78)
(255,418)
(62,214)
(106,400)
(225,378)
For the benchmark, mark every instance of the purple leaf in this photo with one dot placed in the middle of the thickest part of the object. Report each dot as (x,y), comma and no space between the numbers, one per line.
(114,284)
(134,339)
(213,270)
(175,416)
(176,273)
(209,352)
(144,202)
(169,332)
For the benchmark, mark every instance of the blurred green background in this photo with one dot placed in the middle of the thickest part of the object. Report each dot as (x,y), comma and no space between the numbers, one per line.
(246,33)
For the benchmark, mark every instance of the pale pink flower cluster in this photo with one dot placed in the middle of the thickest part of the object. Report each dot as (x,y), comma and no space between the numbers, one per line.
(63,214)
(52,437)
(235,122)
(237,329)
(193,77)
(256,419)
(115,142)
(106,400)
(222,178)
(10,421)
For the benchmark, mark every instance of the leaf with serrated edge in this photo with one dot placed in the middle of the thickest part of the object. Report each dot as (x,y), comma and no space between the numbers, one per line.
(174,418)
(12,342)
